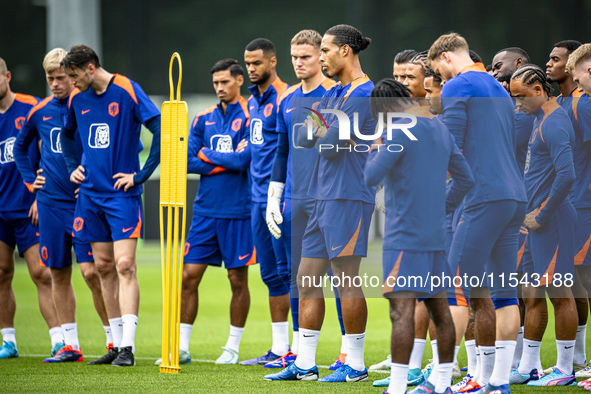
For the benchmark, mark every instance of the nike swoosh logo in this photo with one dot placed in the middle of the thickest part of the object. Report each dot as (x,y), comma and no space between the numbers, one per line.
(348,379)
(488,354)
(568,347)
(308,336)
(532,346)
(289,110)
(299,376)
(90,253)
(243,257)
(336,247)
(85,111)
(127,229)
(47,118)
(69,329)
(209,123)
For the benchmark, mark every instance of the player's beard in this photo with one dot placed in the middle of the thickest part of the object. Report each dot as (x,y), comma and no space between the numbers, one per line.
(504,78)
(264,78)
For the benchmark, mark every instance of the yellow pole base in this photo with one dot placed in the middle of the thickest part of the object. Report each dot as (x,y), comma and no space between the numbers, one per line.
(170,369)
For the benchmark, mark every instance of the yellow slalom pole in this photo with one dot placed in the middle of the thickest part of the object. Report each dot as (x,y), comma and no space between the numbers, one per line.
(173,196)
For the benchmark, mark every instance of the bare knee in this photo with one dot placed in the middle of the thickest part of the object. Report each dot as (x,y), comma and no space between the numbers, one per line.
(238,280)
(126,266)
(90,274)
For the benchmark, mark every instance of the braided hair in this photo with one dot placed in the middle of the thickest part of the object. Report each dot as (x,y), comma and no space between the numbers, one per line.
(387,95)
(420,59)
(348,35)
(431,73)
(530,74)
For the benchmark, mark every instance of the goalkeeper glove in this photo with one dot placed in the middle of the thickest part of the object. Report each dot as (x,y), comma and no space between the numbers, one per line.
(273,216)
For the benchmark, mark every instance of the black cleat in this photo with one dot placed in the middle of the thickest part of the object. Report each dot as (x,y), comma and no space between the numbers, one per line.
(124,358)
(107,358)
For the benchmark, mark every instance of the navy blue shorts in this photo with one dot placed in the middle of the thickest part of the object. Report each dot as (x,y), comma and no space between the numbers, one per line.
(106,219)
(16,229)
(337,228)
(55,241)
(583,237)
(213,240)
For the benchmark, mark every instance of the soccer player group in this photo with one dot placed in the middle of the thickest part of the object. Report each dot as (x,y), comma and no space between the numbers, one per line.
(489,181)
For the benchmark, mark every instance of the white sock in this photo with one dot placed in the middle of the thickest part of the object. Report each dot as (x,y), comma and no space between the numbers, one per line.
(504,351)
(398,377)
(530,358)
(343,344)
(416,356)
(580,355)
(280,338)
(109,334)
(129,327)
(56,334)
(445,371)
(471,355)
(456,351)
(518,349)
(295,342)
(117,331)
(355,348)
(8,335)
(71,335)
(185,336)
(487,357)
(234,338)
(478,367)
(435,370)
(306,358)
(564,359)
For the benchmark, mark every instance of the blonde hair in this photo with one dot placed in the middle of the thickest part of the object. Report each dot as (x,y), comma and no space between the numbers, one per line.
(53,59)
(310,37)
(580,54)
(3,68)
(447,43)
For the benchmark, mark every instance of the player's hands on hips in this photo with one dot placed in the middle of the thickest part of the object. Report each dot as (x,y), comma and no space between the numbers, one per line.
(34,214)
(124,181)
(530,220)
(39,181)
(78,175)
(523,230)
(241,146)
(273,216)
(381,200)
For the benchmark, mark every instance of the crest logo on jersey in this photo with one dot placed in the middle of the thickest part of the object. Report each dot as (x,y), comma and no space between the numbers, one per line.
(187,247)
(268,110)
(527,160)
(256,132)
(19,122)
(7,150)
(78,223)
(236,124)
(114,109)
(56,142)
(44,253)
(221,143)
(99,136)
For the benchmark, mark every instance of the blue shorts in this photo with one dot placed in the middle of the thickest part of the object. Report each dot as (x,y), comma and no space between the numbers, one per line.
(296,213)
(337,228)
(486,243)
(108,219)
(213,240)
(552,246)
(521,252)
(55,242)
(414,271)
(271,254)
(457,295)
(17,230)
(583,237)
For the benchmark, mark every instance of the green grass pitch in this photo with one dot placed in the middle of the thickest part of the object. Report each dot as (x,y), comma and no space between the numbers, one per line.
(29,374)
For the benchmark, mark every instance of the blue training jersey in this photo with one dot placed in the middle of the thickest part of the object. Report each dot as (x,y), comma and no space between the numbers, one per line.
(549,169)
(338,173)
(109,125)
(14,195)
(480,115)
(263,136)
(578,108)
(44,122)
(523,128)
(417,176)
(291,115)
(224,186)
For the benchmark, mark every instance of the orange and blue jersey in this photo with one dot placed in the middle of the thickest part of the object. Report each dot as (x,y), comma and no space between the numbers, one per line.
(224,186)
(481,116)
(578,108)
(291,115)
(109,125)
(14,195)
(416,178)
(523,128)
(263,136)
(549,169)
(338,173)
(44,122)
